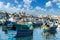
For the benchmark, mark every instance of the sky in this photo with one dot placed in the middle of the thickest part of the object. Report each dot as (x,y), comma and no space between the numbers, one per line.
(35,7)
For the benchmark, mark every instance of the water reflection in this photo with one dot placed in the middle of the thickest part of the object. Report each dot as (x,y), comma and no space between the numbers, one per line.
(25,38)
(3,36)
(37,35)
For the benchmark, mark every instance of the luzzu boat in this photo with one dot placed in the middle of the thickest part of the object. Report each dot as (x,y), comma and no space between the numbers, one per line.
(51,30)
(45,30)
(22,30)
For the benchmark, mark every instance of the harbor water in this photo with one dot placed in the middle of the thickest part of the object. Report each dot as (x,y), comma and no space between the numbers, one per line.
(37,35)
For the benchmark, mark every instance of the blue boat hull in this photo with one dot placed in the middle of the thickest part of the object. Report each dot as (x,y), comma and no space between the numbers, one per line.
(20,33)
(22,30)
(52,30)
(24,33)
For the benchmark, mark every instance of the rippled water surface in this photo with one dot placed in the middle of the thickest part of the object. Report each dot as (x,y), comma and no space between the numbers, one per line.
(37,35)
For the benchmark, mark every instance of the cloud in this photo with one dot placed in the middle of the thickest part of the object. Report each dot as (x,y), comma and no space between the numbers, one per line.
(27,7)
(48,4)
(27,2)
(55,0)
(52,10)
(8,8)
(16,1)
(8,5)
(1,4)
(58,4)
(35,10)
(19,6)
(39,8)
(13,10)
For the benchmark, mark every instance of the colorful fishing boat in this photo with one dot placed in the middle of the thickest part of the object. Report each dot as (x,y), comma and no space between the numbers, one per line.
(22,30)
(49,30)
